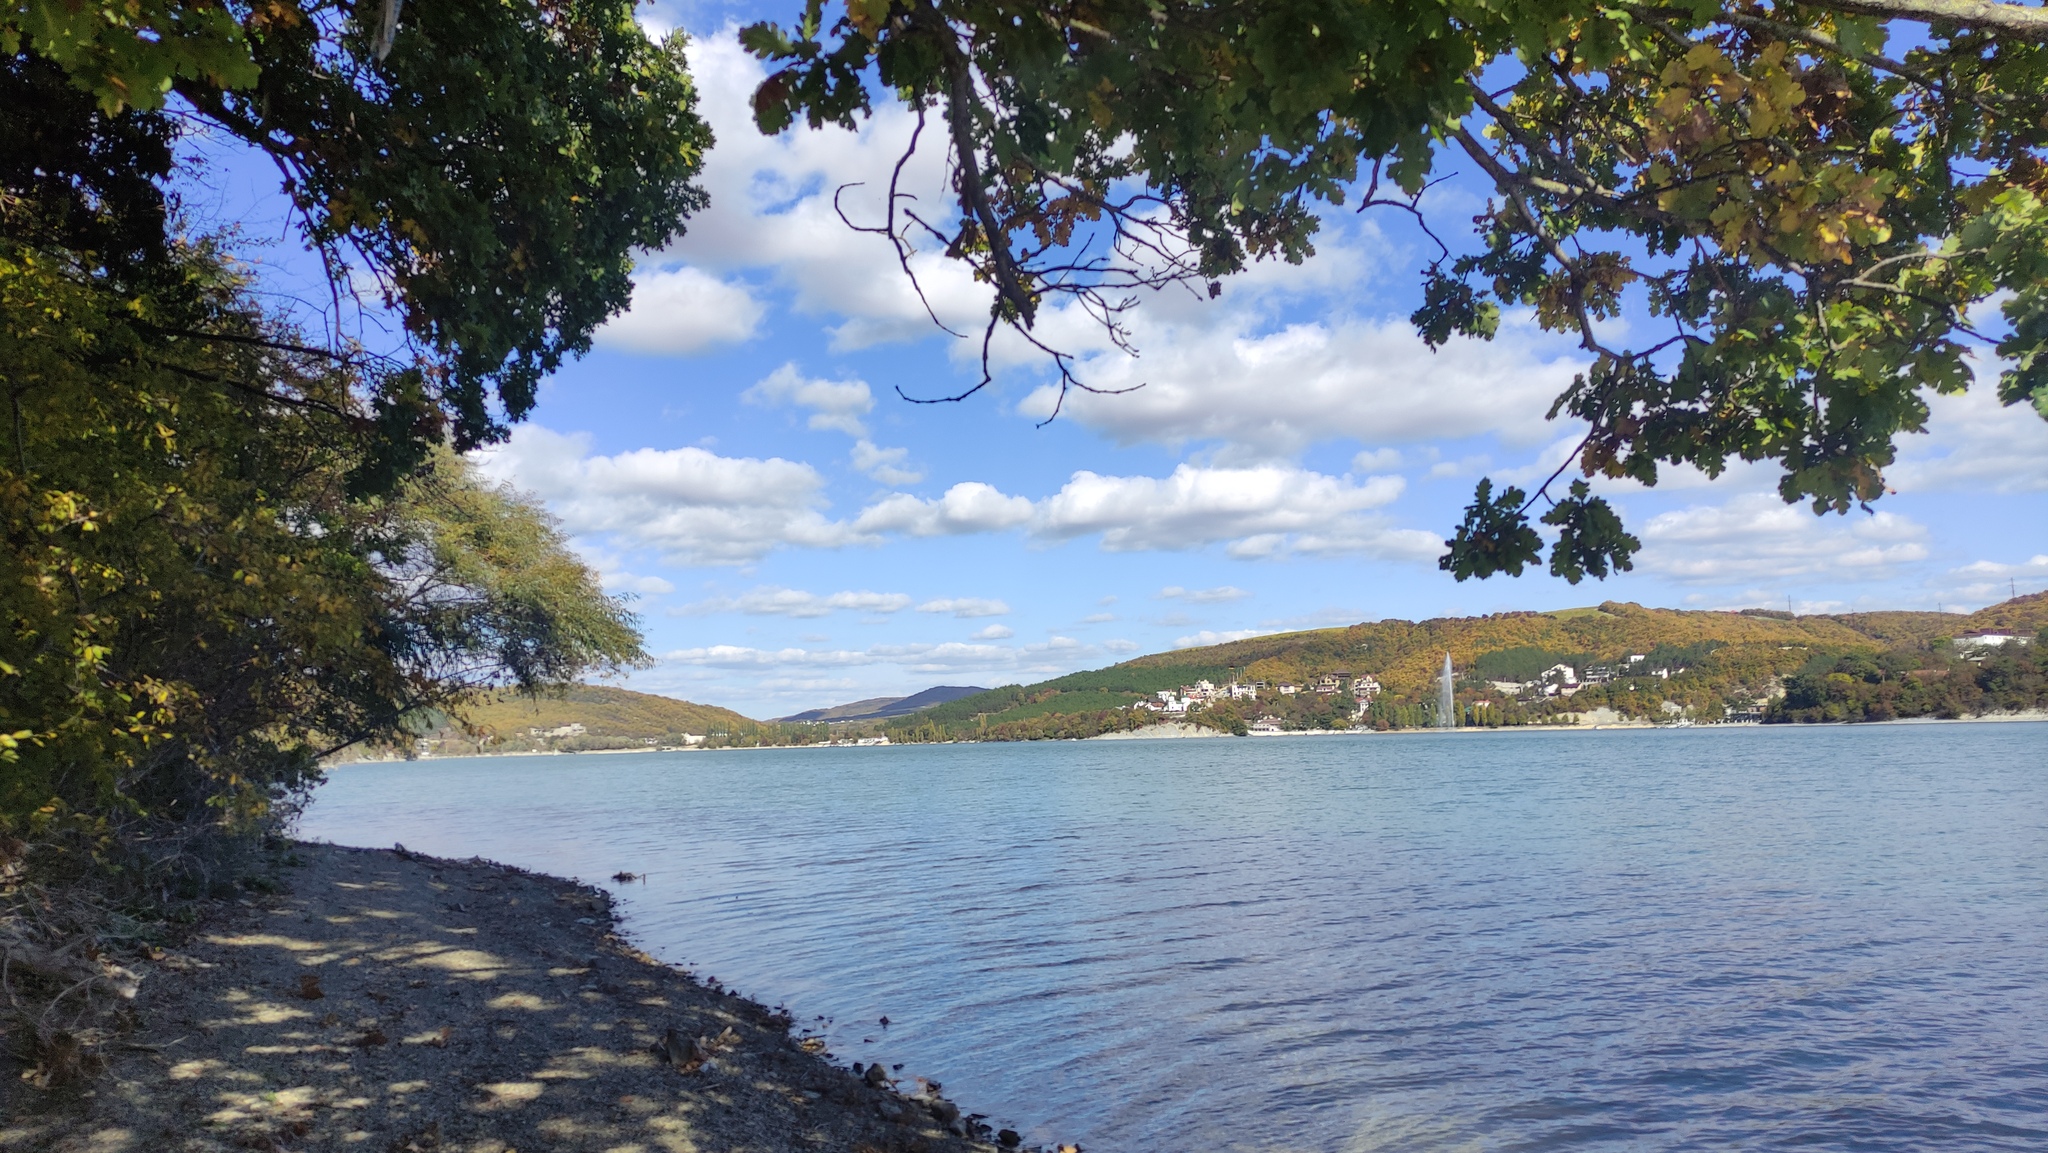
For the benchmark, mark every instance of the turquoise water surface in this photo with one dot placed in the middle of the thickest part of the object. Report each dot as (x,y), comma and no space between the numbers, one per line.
(1827,938)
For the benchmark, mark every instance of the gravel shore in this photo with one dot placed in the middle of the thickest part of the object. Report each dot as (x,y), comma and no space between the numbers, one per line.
(394,1003)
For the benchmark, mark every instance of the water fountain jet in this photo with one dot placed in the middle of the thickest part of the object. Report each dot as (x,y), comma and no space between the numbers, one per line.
(1446,704)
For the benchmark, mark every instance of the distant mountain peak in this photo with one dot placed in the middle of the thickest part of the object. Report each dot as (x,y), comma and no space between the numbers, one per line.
(881,708)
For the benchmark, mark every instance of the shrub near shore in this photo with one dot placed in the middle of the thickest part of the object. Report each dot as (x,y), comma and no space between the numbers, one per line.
(236,546)
(206,595)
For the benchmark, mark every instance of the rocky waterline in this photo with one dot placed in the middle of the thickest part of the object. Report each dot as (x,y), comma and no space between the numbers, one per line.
(391,1001)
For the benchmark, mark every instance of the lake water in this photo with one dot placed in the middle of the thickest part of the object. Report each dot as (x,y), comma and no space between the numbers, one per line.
(1831,938)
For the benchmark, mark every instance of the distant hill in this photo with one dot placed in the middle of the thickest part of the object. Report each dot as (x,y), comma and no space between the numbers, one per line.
(609,718)
(1712,660)
(882,708)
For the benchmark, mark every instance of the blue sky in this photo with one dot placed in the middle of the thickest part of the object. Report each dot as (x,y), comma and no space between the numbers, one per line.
(735,455)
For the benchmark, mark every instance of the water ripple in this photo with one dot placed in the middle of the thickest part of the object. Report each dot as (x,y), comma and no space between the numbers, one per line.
(1826,938)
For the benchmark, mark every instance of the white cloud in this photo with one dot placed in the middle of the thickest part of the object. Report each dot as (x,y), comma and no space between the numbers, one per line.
(947,657)
(995,633)
(884,464)
(1468,466)
(1219,595)
(1259,511)
(1376,460)
(1987,582)
(2038,566)
(968,507)
(1213,370)
(1098,618)
(1267,395)
(696,507)
(643,585)
(1266,505)
(776,204)
(966,608)
(692,505)
(1759,537)
(1974,444)
(742,657)
(772,600)
(1207,637)
(1369,538)
(681,311)
(834,404)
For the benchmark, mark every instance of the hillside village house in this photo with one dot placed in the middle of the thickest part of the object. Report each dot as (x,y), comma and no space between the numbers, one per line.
(1980,639)
(1559,680)
(1176,702)
(1201,692)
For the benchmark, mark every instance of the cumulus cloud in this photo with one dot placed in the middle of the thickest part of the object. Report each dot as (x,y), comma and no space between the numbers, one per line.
(697,507)
(693,505)
(968,507)
(1377,460)
(680,311)
(641,585)
(1258,511)
(884,464)
(966,608)
(995,633)
(773,208)
(1222,594)
(1267,395)
(1195,506)
(1362,537)
(834,404)
(1987,581)
(771,600)
(949,656)
(1207,637)
(1214,371)
(1758,536)
(1974,444)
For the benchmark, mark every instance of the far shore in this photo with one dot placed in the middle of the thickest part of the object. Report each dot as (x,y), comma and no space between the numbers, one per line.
(2033,715)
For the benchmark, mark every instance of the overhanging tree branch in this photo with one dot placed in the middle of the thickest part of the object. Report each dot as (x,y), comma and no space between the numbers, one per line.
(2019,20)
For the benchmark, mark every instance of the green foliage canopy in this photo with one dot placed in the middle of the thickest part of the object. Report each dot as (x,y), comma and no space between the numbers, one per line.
(1818,203)
(195,603)
(492,170)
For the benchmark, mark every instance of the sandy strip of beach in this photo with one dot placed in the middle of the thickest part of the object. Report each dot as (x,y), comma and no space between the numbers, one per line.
(395,1003)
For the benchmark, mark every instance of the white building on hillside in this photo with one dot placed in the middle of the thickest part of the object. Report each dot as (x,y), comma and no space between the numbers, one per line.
(1989,639)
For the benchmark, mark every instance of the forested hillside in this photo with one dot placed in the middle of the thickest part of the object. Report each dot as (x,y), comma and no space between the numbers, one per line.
(1702,666)
(586,718)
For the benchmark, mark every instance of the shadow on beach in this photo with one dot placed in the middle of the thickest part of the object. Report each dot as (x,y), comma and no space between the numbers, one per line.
(401,1003)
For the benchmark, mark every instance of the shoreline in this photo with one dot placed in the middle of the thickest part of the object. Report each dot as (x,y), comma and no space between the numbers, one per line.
(387,1000)
(2027,715)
